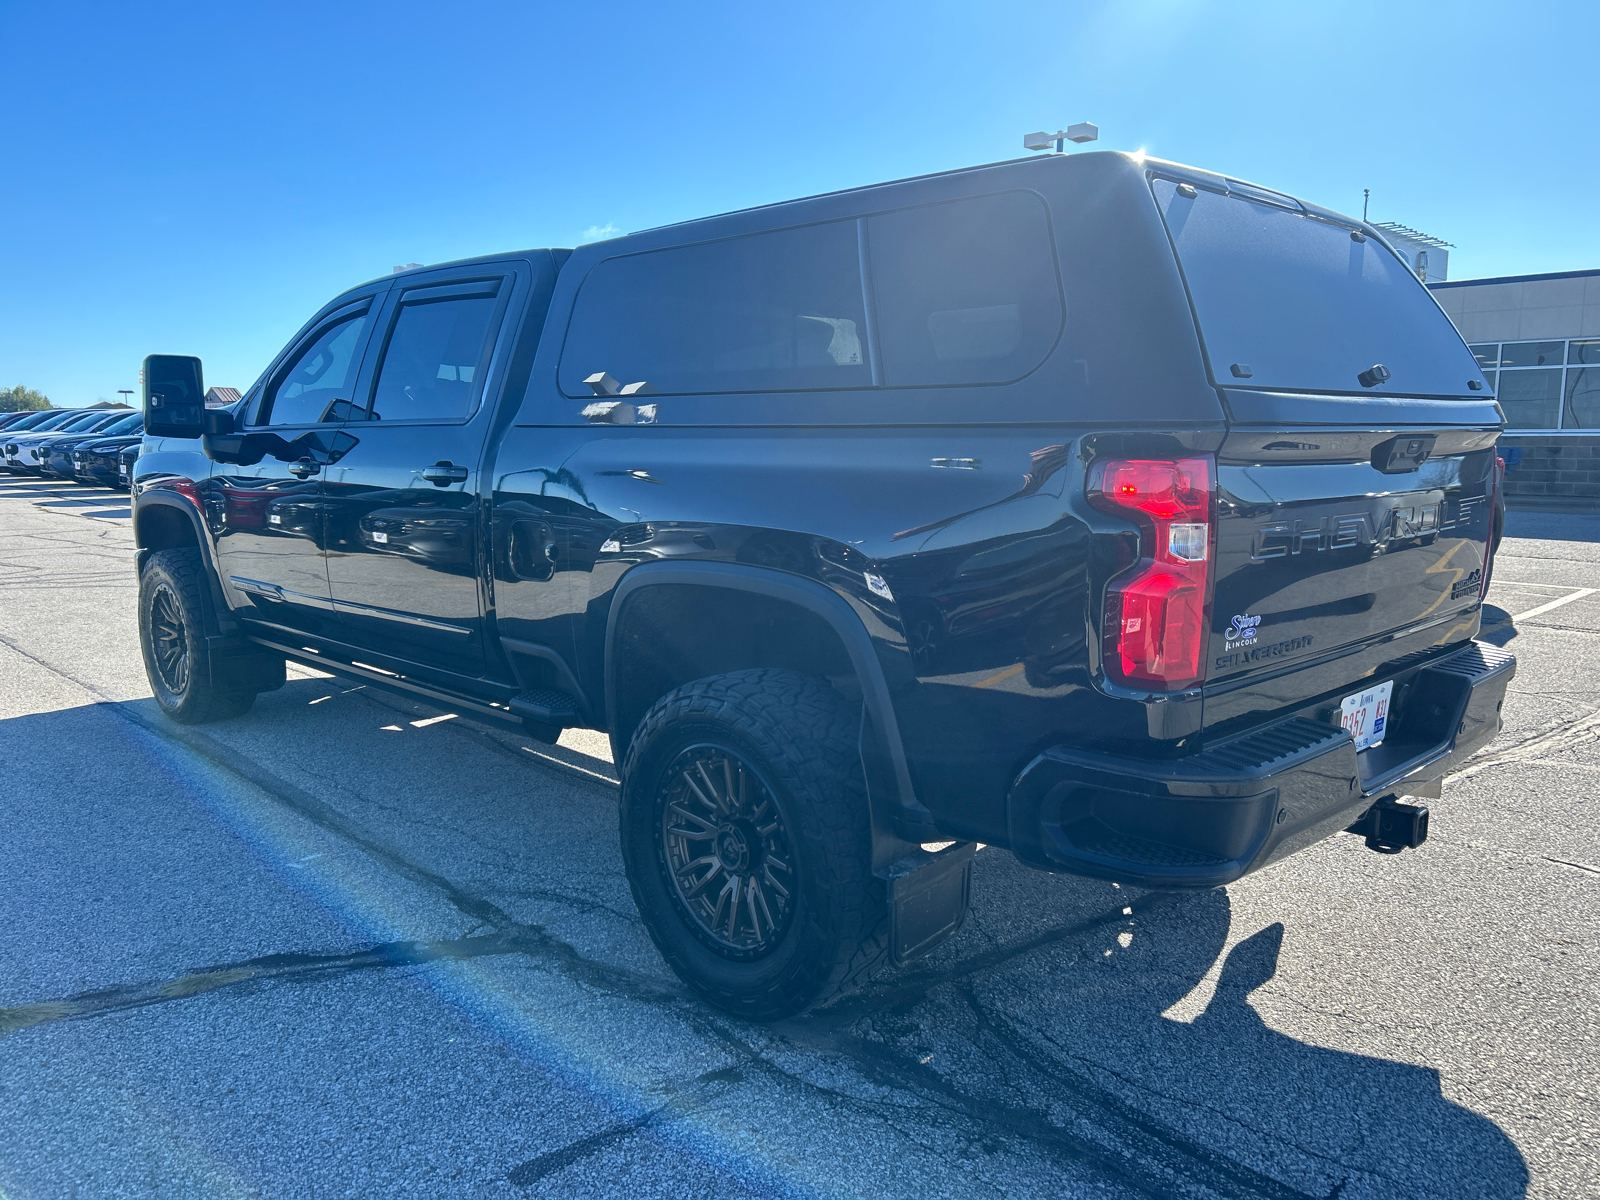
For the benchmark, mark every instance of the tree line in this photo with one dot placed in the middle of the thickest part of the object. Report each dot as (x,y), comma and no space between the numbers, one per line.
(22,399)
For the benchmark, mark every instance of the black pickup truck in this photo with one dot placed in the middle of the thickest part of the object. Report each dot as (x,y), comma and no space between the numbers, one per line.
(1128,517)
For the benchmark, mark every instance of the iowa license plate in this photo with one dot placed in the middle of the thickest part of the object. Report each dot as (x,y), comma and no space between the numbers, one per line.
(1366,714)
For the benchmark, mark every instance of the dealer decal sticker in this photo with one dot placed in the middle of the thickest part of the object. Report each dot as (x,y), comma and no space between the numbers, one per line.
(1241,632)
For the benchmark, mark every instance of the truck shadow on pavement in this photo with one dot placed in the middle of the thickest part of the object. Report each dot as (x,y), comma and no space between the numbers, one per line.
(1066,1021)
(1498,628)
(1075,1033)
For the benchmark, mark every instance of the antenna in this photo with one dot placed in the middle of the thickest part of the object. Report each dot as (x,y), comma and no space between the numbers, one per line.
(1366,194)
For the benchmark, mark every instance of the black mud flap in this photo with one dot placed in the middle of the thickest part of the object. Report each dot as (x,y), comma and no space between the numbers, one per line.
(928,897)
(235,663)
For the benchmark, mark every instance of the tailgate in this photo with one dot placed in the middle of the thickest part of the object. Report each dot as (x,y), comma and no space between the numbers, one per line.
(1319,559)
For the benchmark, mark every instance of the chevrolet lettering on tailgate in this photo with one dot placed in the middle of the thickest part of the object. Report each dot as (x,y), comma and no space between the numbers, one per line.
(1309,535)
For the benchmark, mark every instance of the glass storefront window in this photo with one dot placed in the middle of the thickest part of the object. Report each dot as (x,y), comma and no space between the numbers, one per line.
(1530,399)
(1532,354)
(1583,395)
(1535,393)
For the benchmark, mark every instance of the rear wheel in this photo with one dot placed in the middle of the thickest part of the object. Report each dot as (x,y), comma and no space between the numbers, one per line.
(172,606)
(747,844)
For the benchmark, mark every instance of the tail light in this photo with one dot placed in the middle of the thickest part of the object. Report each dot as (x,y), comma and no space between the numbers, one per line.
(1496,480)
(1155,614)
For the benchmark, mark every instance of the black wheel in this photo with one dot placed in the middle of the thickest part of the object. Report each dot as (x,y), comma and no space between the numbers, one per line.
(172,600)
(727,850)
(747,844)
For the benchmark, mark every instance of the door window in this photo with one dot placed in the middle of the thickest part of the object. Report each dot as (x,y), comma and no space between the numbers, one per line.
(314,388)
(432,368)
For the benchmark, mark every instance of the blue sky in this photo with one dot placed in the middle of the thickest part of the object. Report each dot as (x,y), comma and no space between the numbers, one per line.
(198,179)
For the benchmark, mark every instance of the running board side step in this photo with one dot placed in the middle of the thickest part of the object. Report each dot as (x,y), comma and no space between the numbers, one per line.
(390,681)
(545,712)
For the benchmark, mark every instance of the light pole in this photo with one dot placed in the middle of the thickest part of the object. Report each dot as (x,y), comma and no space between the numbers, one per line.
(125,392)
(1082,132)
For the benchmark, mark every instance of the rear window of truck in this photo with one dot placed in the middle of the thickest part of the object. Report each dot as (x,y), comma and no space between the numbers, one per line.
(1287,300)
(959,292)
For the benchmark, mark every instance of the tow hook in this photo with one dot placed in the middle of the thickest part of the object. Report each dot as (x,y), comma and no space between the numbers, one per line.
(1391,827)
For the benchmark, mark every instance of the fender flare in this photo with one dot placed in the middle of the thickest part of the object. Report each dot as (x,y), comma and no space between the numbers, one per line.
(221,614)
(901,818)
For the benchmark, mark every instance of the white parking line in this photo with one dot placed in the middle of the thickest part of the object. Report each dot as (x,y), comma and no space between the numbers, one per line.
(1579,594)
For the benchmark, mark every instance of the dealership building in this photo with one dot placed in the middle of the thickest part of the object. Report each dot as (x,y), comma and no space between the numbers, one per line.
(1537,338)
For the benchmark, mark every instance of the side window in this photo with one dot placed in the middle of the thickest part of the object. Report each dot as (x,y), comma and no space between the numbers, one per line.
(778,311)
(314,386)
(965,291)
(433,362)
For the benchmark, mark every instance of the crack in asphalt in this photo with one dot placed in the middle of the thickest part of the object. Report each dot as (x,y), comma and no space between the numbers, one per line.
(701,1096)
(264,969)
(1578,865)
(1570,733)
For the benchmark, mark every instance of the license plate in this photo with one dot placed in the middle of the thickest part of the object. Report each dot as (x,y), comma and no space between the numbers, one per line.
(122,472)
(381,538)
(1366,714)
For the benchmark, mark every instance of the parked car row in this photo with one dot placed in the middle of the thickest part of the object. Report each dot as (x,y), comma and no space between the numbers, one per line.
(94,446)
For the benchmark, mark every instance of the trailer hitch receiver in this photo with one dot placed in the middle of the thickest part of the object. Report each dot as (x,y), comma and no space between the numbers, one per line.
(1390,826)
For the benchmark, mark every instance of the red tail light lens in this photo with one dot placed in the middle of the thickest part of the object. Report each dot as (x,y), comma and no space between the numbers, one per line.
(1155,618)
(1496,481)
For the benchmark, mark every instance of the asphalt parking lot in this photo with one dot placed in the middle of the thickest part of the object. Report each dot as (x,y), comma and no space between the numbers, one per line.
(352,945)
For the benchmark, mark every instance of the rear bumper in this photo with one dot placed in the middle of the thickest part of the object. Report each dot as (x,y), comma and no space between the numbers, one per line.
(1240,804)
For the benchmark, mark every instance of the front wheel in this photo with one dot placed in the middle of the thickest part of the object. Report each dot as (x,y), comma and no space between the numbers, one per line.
(172,605)
(747,844)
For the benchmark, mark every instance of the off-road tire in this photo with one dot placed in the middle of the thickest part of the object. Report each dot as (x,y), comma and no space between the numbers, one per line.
(173,603)
(800,737)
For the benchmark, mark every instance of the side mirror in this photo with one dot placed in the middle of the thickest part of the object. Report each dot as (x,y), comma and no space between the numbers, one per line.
(174,396)
(221,444)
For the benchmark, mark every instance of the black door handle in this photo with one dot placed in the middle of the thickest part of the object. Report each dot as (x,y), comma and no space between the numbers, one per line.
(443,473)
(304,468)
